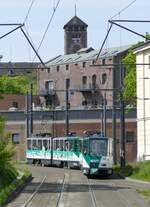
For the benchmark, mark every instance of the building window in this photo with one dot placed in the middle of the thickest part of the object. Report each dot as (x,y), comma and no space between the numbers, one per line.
(15,104)
(94,81)
(129,136)
(84,103)
(67,83)
(84,64)
(67,67)
(149,62)
(49,85)
(93,62)
(94,103)
(103,62)
(57,68)
(84,80)
(16,138)
(48,70)
(104,78)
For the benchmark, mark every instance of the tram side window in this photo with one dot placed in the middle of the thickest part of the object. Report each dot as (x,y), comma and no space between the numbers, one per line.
(34,144)
(45,144)
(85,146)
(61,145)
(76,145)
(29,145)
(54,144)
(71,147)
(39,144)
(66,146)
(57,145)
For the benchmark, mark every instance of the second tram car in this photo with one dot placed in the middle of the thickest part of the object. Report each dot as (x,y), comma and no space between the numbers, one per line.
(92,154)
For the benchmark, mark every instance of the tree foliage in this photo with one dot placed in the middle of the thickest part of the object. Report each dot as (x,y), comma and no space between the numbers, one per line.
(13,85)
(7,171)
(130,78)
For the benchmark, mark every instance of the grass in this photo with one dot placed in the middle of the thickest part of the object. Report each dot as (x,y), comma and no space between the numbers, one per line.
(138,171)
(145,193)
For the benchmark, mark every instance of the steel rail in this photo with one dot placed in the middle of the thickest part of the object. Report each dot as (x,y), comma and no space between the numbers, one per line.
(59,197)
(34,194)
(92,194)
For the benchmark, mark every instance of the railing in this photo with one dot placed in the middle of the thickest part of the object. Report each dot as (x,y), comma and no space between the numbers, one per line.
(47,92)
(87,87)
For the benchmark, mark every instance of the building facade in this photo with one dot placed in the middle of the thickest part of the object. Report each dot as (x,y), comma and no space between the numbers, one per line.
(87,83)
(143,101)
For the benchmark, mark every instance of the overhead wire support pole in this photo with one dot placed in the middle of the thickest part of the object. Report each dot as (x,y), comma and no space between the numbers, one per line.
(122,122)
(128,20)
(104,42)
(105,121)
(12,24)
(32,47)
(66,109)
(132,31)
(13,30)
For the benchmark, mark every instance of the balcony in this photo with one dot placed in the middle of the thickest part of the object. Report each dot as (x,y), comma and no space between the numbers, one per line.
(88,88)
(47,92)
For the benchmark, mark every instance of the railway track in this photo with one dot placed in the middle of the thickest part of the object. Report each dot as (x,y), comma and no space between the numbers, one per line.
(92,194)
(61,192)
(26,204)
(32,198)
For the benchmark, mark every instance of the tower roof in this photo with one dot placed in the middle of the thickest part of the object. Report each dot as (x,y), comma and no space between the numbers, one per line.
(75,21)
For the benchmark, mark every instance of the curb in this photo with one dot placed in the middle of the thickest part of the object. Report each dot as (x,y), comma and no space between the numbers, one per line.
(137,181)
(133,180)
(17,191)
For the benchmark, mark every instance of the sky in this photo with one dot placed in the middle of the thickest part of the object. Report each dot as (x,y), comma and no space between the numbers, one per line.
(95,13)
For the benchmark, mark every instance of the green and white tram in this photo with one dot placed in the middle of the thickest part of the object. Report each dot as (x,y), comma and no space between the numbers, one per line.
(92,154)
(97,155)
(58,151)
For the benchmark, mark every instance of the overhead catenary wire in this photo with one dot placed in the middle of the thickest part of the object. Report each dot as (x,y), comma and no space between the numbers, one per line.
(48,25)
(29,10)
(110,27)
(122,10)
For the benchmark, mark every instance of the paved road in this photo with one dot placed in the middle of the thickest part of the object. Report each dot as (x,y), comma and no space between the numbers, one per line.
(77,190)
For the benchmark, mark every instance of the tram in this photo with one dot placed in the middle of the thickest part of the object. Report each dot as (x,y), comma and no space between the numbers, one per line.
(92,154)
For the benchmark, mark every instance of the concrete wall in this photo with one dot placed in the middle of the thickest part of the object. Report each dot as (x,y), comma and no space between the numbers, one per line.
(143,103)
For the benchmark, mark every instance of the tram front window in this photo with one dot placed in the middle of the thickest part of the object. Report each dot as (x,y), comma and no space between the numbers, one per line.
(98,147)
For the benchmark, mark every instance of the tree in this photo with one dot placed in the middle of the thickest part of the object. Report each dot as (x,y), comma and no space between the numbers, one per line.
(130,77)
(9,85)
(14,85)
(7,170)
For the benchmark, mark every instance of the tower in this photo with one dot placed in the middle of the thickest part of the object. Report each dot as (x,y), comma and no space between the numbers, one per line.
(75,35)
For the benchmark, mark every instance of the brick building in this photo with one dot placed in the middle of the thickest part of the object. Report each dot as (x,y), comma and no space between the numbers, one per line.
(87,83)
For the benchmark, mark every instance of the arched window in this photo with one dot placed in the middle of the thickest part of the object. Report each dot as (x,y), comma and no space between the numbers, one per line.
(84,81)
(84,103)
(94,81)
(104,78)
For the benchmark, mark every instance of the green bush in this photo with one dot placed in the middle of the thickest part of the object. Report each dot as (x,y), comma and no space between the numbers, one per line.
(126,171)
(10,189)
(138,170)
